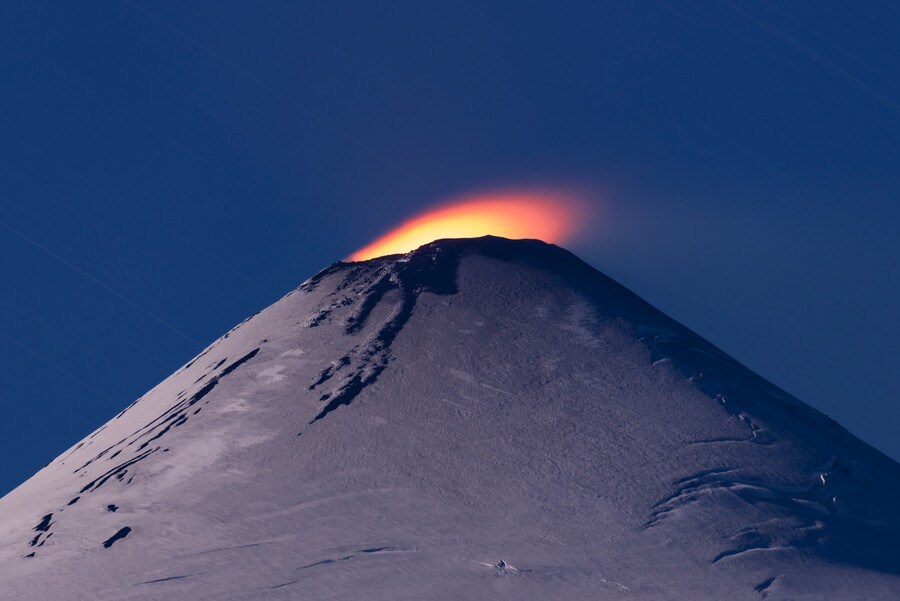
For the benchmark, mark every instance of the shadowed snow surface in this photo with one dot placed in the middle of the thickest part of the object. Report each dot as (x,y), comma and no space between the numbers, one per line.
(478,419)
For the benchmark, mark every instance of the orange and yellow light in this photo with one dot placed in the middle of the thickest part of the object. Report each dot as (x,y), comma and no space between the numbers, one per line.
(551,217)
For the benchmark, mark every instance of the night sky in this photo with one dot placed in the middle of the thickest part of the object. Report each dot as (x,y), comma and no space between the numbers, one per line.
(170,168)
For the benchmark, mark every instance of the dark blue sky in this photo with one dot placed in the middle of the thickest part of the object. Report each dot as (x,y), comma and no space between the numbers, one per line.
(201,159)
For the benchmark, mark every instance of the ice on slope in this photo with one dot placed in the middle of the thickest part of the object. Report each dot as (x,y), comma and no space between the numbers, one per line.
(478,419)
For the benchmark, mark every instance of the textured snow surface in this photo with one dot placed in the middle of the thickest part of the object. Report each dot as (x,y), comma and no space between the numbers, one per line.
(478,419)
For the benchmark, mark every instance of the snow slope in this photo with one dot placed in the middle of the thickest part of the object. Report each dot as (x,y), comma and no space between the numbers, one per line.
(478,419)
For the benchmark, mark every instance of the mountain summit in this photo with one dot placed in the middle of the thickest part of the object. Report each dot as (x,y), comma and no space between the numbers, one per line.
(477,419)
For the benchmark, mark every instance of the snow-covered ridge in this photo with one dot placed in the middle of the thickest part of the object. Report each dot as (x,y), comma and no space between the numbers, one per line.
(479,418)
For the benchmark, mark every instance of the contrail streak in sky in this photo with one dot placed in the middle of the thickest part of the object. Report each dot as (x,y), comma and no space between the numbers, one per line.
(99,283)
(818,58)
(59,369)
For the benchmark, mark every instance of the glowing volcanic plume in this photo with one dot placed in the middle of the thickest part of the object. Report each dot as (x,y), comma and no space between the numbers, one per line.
(551,217)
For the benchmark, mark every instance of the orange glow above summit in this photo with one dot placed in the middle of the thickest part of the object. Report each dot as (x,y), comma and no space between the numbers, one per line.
(550,217)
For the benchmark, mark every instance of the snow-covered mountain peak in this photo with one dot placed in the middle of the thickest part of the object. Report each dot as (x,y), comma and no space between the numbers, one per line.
(480,418)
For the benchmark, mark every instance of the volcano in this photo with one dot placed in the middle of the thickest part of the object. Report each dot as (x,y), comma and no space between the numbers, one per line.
(477,419)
